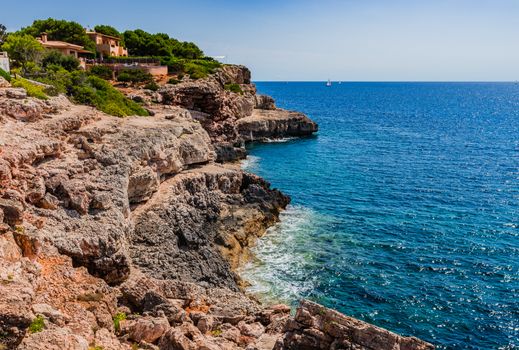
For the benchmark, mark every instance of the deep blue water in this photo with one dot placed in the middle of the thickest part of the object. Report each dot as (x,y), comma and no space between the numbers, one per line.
(405,208)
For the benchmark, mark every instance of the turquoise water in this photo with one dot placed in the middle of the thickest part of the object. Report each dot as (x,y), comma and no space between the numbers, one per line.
(405,208)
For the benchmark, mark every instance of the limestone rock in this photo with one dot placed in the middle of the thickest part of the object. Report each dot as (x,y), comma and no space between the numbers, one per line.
(102,216)
(12,211)
(177,235)
(231,118)
(274,124)
(317,327)
(255,329)
(4,83)
(15,93)
(265,102)
(148,329)
(54,339)
(206,323)
(108,341)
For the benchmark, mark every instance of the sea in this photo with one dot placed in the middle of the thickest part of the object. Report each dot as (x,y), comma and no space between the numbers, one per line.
(405,208)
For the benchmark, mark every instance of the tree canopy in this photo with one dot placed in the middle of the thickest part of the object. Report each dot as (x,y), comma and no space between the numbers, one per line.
(107,30)
(3,33)
(24,49)
(140,43)
(62,30)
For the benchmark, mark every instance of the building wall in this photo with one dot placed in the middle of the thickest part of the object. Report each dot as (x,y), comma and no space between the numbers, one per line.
(108,46)
(157,70)
(153,70)
(4,64)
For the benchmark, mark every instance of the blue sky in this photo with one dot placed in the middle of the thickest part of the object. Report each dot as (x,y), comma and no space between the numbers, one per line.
(356,40)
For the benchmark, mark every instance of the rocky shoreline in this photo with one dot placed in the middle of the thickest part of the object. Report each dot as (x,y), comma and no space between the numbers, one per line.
(124,233)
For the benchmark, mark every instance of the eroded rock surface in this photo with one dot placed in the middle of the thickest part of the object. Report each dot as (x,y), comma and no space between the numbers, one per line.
(265,124)
(317,327)
(181,233)
(232,118)
(124,233)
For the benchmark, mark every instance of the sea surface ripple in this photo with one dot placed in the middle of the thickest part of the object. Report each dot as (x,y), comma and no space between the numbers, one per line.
(405,208)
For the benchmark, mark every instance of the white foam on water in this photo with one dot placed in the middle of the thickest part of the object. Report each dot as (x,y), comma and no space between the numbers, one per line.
(280,140)
(277,270)
(250,163)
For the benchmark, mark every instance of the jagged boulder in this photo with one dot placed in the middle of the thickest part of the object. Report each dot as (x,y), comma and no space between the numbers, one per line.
(317,327)
(4,83)
(265,102)
(274,124)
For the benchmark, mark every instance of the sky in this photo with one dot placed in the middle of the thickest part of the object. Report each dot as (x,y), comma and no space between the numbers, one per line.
(306,40)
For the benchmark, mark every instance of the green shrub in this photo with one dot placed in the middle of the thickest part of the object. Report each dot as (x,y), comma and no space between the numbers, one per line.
(173,81)
(141,43)
(236,88)
(23,50)
(134,76)
(37,324)
(196,68)
(175,65)
(33,90)
(94,91)
(152,85)
(103,72)
(70,32)
(124,77)
(53,57)
(85,95)
(217,332)
(5,75)
(58,77)
(117,320)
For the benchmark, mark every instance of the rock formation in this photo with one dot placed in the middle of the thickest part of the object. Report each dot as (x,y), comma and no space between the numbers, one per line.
(232,118)
(317,327)
(123,233)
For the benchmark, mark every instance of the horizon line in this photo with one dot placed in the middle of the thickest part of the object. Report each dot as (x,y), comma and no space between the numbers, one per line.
(386,81)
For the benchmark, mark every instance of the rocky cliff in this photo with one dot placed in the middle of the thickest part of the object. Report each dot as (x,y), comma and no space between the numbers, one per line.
(123,233)
(231,118)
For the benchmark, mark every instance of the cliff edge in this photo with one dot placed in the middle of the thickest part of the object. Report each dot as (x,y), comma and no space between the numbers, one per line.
(122,233)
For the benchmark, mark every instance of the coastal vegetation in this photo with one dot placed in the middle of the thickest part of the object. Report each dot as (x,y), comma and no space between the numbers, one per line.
(109,30)
(141,43)
(5,75)
(70,63)
(103,72)
(134,76)
(195,68)
(3,33)
(32,89)
(37,325)
(94,91)
(233,88)
(32,61)
(24,50)
(62,30)
(120,316)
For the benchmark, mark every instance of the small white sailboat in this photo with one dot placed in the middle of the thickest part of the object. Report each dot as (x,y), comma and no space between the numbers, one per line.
(329,83)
